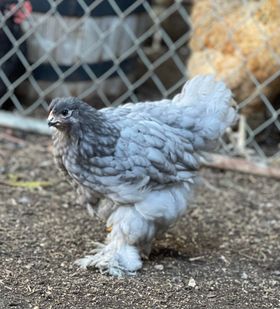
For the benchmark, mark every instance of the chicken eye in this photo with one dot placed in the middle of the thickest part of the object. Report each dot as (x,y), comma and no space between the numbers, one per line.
(65,112)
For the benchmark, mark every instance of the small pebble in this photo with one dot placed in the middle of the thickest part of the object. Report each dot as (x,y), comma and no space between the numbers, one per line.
(192,283)
(222,258)
(211,295)
(24,200)
(159,267)
(244,276)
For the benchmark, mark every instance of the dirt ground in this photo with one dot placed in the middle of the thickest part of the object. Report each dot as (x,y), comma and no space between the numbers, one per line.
(224,253)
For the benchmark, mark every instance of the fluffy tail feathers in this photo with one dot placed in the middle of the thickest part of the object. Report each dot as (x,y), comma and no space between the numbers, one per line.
(208,102)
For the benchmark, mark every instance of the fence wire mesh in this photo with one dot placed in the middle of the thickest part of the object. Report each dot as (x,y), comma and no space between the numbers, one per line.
(109,52)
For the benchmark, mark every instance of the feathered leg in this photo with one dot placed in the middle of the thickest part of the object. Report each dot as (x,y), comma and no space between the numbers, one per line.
(121,253)
(134,228)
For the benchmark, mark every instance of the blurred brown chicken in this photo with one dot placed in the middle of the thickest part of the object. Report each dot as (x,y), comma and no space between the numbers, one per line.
(239,40)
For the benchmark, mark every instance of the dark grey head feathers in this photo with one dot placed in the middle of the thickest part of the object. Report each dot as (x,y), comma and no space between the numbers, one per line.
(64,113)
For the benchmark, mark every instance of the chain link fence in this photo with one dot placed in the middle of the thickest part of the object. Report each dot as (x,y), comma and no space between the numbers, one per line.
(109,52)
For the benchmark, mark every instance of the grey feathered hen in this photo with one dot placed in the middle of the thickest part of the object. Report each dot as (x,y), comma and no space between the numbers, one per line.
(135,164)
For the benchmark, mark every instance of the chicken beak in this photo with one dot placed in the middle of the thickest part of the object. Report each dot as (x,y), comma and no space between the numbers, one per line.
(52,122)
